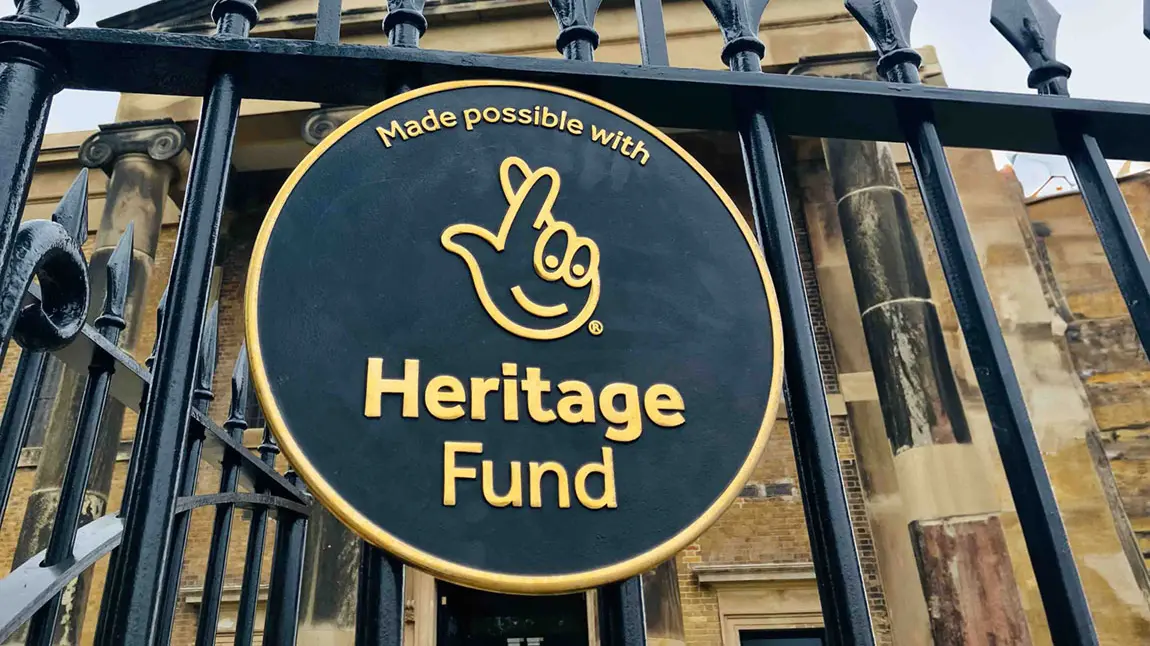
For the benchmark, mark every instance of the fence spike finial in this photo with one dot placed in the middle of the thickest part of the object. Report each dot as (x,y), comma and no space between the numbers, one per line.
(268,448)
(72,210)
(119,269)
(576,20)
(739,22)
(206,363)
(404,23)
(237,412)
(888,24)
(1031,27)
(160,308)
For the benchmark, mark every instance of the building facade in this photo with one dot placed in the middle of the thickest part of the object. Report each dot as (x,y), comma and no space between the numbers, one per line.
(941,550)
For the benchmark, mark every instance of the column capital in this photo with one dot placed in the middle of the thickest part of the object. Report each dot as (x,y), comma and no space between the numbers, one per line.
(322,122)
(161,140)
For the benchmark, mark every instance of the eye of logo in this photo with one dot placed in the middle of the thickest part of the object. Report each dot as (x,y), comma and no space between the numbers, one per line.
(574,264)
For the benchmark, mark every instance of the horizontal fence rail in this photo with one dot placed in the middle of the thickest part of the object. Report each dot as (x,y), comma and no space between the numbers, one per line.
(39,56)
(178,64)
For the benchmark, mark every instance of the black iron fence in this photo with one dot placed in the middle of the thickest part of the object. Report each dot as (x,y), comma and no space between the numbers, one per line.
(45,289)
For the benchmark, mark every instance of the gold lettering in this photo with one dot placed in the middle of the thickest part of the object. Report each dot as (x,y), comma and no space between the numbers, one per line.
(575,127)
(479,389)
(508,115)
(514,495)
(377,387)
(393,132)
(578,407)
(525,116)
(623,149)
(430,122)
(607,470)
(470,118)
(534,386)
(451,472)
(412,128)
(640,149)
(448,119)
(536,474)
(550,119)
(510,393)
(661,398)
(491,115)
(629,417)
(444,389)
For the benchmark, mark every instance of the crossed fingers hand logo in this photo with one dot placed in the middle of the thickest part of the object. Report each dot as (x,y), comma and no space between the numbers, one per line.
(577,266)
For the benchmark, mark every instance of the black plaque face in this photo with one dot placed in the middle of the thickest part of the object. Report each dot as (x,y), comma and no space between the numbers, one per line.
(513,335)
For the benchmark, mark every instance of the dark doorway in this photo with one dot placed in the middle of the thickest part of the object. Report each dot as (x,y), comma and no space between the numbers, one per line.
(475,618)
(798,637)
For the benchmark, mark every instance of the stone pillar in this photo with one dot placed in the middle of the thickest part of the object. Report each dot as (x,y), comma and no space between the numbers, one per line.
(661,604)
(959,547)
(143,160)
(322,122)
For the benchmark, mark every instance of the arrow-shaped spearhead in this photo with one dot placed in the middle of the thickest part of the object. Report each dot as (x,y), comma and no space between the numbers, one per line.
(237,411)
(160,308)
(206,360)
(1030,26)
(739,22)
(887,22)
(119,269)
(72,211)
(576,20)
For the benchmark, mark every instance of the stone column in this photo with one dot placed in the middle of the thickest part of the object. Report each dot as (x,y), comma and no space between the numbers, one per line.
(322,122)
(143,160)
(959,546)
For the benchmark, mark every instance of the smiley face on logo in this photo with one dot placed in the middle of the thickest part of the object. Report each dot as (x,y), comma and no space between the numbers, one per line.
(576,266)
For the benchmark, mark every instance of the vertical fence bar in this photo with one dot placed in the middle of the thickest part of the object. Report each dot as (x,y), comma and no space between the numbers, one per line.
(1031,26)
(621,618)
(841,591)
(222,523)
(379,606)
(327,19)
(147,536)
(254,558)
(29,78)
(379,595)
(72,214)
(281,620)
(201,399)
(113,579)
(1062,595)
(63,537)
(652,33)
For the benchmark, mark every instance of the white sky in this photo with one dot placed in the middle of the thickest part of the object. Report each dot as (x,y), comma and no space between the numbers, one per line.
(1101,40)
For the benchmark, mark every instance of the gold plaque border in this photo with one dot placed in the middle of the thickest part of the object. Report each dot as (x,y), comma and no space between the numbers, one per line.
(454,572)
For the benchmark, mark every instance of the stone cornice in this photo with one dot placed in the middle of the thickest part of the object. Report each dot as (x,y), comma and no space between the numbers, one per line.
(724,573)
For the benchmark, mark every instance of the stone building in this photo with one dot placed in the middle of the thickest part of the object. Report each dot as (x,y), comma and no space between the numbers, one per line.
(941,550)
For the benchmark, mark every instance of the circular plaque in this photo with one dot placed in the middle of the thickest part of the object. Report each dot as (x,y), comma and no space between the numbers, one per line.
(513,335)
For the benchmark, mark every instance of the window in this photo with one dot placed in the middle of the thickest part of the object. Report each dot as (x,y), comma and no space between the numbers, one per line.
(794,637)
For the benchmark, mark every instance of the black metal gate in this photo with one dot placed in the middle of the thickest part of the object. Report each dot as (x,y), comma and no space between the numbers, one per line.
(44,295)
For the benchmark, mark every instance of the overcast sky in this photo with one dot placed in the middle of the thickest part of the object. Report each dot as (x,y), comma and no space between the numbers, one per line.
(1100,39)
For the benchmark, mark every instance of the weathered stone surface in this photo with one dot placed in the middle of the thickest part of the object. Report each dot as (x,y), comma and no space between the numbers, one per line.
(970,587)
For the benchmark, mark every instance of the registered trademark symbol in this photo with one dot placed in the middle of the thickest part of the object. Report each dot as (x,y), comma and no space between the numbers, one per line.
(595,328)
